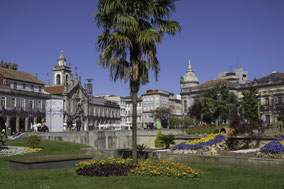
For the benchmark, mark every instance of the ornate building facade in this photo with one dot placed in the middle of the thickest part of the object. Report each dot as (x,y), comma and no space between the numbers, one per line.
(270,88)
(78,100)
(22,98)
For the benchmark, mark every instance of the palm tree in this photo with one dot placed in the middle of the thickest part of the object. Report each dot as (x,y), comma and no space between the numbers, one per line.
(131,31)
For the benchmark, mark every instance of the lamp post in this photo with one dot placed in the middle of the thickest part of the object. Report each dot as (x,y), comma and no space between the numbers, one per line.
(219,98)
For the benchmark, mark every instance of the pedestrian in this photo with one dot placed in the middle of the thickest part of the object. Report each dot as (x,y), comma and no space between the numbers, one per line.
(78,124)
(158,124)
(44,128)
(69,123)
(4,132)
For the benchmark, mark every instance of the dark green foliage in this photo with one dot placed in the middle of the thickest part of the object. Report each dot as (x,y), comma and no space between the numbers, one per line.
(217,103)
(167,140)
(33,141)
(196,110)
(249,104)
(280,111)
(141,147)
(180,123)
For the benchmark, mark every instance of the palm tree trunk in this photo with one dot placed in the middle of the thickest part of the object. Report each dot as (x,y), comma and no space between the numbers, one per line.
(134,93)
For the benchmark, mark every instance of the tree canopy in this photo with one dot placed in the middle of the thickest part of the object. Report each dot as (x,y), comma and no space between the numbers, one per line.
(250,104)
(132,29)
(218,103)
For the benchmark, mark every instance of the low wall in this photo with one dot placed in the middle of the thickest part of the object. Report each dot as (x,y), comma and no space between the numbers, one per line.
(107,139)
(258,163)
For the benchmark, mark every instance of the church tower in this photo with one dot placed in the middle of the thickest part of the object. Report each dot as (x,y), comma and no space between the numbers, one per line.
(189,79)
(187,82)
(61,72)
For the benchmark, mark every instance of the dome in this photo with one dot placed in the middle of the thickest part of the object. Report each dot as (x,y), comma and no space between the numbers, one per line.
(189,76)
(61,57)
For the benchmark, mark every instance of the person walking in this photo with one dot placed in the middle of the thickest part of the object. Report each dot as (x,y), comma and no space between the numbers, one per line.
(69,123)
(78,124)
(158,124)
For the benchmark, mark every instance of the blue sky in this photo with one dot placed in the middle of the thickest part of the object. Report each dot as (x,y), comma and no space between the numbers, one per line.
(217,35)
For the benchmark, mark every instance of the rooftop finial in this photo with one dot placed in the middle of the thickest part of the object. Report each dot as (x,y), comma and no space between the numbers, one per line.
(189,69)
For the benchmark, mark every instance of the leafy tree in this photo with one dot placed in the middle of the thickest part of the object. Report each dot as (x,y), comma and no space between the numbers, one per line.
(280,111)
(249,104)
(161,113)
(131,31)
(195,110)
(218,103)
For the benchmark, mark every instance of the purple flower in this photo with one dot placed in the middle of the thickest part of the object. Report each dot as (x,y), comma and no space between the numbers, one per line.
(184,146)
(273,147)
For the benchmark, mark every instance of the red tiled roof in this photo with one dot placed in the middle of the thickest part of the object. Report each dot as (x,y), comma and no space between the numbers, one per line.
(20,76)
(216,81)
(54,89)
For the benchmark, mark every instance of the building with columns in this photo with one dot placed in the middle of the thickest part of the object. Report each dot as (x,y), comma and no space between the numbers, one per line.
(78,100)
(22,98)
(270,88)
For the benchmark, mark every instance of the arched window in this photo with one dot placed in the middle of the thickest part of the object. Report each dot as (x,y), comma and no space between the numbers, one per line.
(58,79)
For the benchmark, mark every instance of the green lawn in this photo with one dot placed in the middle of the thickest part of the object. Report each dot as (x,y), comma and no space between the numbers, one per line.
(212,176)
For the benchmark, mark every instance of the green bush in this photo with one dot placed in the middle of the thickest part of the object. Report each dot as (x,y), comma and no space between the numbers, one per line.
(141,147)
(158,141)
(33,141)
(168,140)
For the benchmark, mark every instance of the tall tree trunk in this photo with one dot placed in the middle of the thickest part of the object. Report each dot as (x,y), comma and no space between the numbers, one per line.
(134,94)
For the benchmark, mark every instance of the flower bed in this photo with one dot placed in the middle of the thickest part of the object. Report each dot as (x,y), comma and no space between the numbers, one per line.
(16,150)
(121,167)
(200,143)
(110,167)
(164,168)
(276,146)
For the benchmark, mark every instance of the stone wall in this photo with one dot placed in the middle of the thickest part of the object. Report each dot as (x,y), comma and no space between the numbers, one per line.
(107,139)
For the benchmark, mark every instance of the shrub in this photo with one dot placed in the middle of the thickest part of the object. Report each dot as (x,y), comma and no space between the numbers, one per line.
(158,141)
(141,147)
(33,141)
(252,127)
(167,140)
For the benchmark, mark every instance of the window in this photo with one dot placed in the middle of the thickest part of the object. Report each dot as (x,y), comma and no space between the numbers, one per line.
(58,79)
(31,104)
(3,101)
(266,101)
(244,75)
(13,102)
(279,100)
(15,85)
(32,87)
(185,106)
(40,89)
(39,105)
(23,103)
(24,86)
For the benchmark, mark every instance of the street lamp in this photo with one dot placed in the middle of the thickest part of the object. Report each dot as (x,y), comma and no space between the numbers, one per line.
(219,98)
